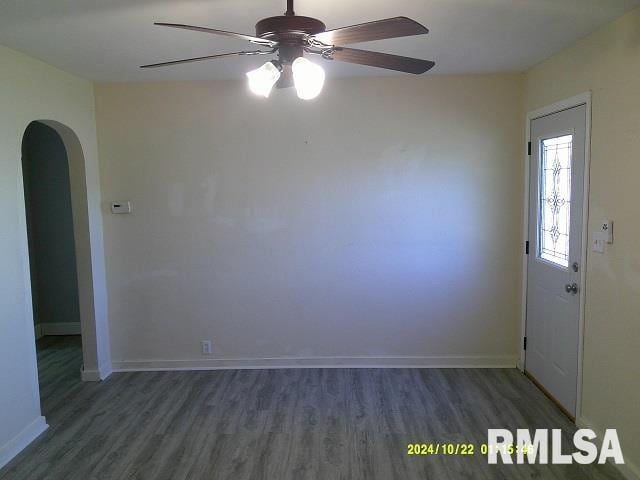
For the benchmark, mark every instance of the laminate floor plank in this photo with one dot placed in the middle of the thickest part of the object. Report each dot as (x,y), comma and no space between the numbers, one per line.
(281,424)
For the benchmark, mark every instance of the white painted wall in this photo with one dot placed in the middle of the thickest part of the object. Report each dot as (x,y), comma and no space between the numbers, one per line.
(377,225)
(31,90)
(608,63)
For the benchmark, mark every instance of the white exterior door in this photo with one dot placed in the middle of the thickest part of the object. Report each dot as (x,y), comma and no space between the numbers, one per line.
(556,195)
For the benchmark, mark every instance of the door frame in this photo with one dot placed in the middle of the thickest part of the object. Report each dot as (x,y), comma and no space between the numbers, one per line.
(576,101)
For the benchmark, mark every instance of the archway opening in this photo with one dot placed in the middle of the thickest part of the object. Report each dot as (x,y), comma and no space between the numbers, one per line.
(60,248)
(52,260)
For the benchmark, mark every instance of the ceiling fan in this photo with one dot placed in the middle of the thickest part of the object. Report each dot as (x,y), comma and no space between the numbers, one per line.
(291,36)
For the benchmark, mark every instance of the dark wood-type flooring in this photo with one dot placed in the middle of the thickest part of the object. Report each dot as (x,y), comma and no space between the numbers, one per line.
(279,424)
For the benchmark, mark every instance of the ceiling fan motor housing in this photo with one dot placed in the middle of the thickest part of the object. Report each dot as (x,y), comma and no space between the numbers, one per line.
(283,28)
(290,33)
(289,30)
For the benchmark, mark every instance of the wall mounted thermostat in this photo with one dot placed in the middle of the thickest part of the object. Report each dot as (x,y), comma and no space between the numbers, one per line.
(121,207)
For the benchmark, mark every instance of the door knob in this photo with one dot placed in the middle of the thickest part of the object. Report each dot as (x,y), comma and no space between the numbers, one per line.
(571,288)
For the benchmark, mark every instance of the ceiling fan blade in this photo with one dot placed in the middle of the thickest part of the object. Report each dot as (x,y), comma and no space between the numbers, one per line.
(256,40)
(367,32)
(380,60)
(207,57)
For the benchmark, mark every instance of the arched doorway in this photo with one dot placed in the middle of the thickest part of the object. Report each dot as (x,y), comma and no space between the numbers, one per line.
(70,224)
(52,260)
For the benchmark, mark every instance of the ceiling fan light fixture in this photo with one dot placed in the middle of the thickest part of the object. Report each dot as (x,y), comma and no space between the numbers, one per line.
(308,78)
(262,80)
(291,36)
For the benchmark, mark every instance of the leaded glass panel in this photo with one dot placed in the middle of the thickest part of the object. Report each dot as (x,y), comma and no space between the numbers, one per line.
(555,199)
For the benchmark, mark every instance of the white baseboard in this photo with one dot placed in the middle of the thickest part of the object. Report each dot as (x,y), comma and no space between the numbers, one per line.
(628,469)
(316,362)
(93,375)
(67,328)
(18,443)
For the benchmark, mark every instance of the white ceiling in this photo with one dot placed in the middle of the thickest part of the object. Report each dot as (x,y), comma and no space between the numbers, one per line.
(108,39)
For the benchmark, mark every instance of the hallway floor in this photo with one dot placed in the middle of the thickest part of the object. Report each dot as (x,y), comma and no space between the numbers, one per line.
(59,363)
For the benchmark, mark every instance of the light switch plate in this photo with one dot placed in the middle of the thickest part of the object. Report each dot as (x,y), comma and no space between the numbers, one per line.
(121,207)
(598,241)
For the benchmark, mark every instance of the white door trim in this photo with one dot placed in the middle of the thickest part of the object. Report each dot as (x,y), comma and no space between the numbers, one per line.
(578,100)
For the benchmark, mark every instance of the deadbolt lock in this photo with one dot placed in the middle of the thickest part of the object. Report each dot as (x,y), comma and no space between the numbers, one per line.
(571,288)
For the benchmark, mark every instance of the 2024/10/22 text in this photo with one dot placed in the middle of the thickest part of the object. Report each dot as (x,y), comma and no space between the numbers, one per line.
(464,449)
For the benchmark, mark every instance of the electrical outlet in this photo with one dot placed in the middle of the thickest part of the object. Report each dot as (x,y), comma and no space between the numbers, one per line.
(206,347)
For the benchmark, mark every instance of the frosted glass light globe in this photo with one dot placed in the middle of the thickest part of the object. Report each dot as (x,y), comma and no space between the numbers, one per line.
(262,80)
(308,78)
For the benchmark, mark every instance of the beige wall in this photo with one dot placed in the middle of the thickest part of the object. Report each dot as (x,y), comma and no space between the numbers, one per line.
(608,64)
(379,224)
(31,90)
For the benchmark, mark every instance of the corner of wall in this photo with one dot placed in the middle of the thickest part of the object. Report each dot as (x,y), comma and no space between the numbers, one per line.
(18,443)
(629,470)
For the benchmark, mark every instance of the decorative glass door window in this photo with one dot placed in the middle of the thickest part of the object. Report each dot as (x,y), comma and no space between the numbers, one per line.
(555,200)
